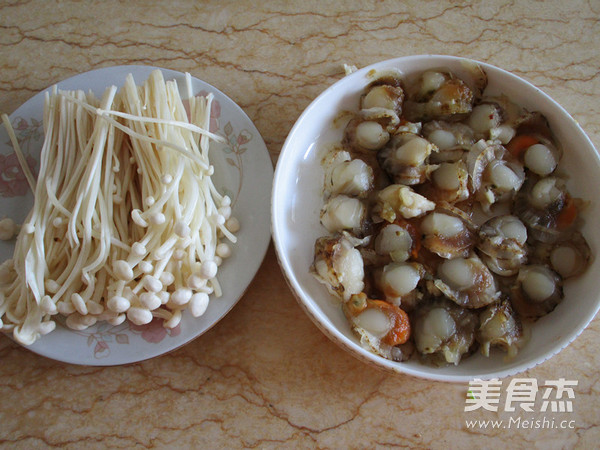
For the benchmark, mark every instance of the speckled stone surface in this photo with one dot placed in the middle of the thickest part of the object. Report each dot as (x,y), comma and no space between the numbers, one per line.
(265,376)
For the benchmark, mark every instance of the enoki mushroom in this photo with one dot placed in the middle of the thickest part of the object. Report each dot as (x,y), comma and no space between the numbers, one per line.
(126,222)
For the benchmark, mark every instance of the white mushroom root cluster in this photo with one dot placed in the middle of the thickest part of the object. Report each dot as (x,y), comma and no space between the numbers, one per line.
(449,222)
(126,222)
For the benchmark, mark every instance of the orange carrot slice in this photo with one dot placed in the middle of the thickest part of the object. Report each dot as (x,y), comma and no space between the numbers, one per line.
(567,216)
(519,144)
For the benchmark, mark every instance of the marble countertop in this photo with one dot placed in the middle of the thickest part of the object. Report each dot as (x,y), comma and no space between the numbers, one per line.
(265,376)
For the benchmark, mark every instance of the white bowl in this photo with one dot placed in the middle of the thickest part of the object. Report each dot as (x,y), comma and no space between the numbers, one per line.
(297,200)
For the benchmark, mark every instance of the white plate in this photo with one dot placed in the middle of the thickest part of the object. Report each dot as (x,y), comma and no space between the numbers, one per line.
(243,170)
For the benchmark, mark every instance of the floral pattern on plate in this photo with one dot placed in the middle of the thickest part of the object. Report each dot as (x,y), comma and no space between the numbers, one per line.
(12,179)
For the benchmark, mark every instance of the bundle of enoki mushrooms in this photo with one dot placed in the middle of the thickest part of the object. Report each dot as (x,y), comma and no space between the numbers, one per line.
(126,222)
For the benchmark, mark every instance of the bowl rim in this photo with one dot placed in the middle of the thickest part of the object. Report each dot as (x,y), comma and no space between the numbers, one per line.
(312,309)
